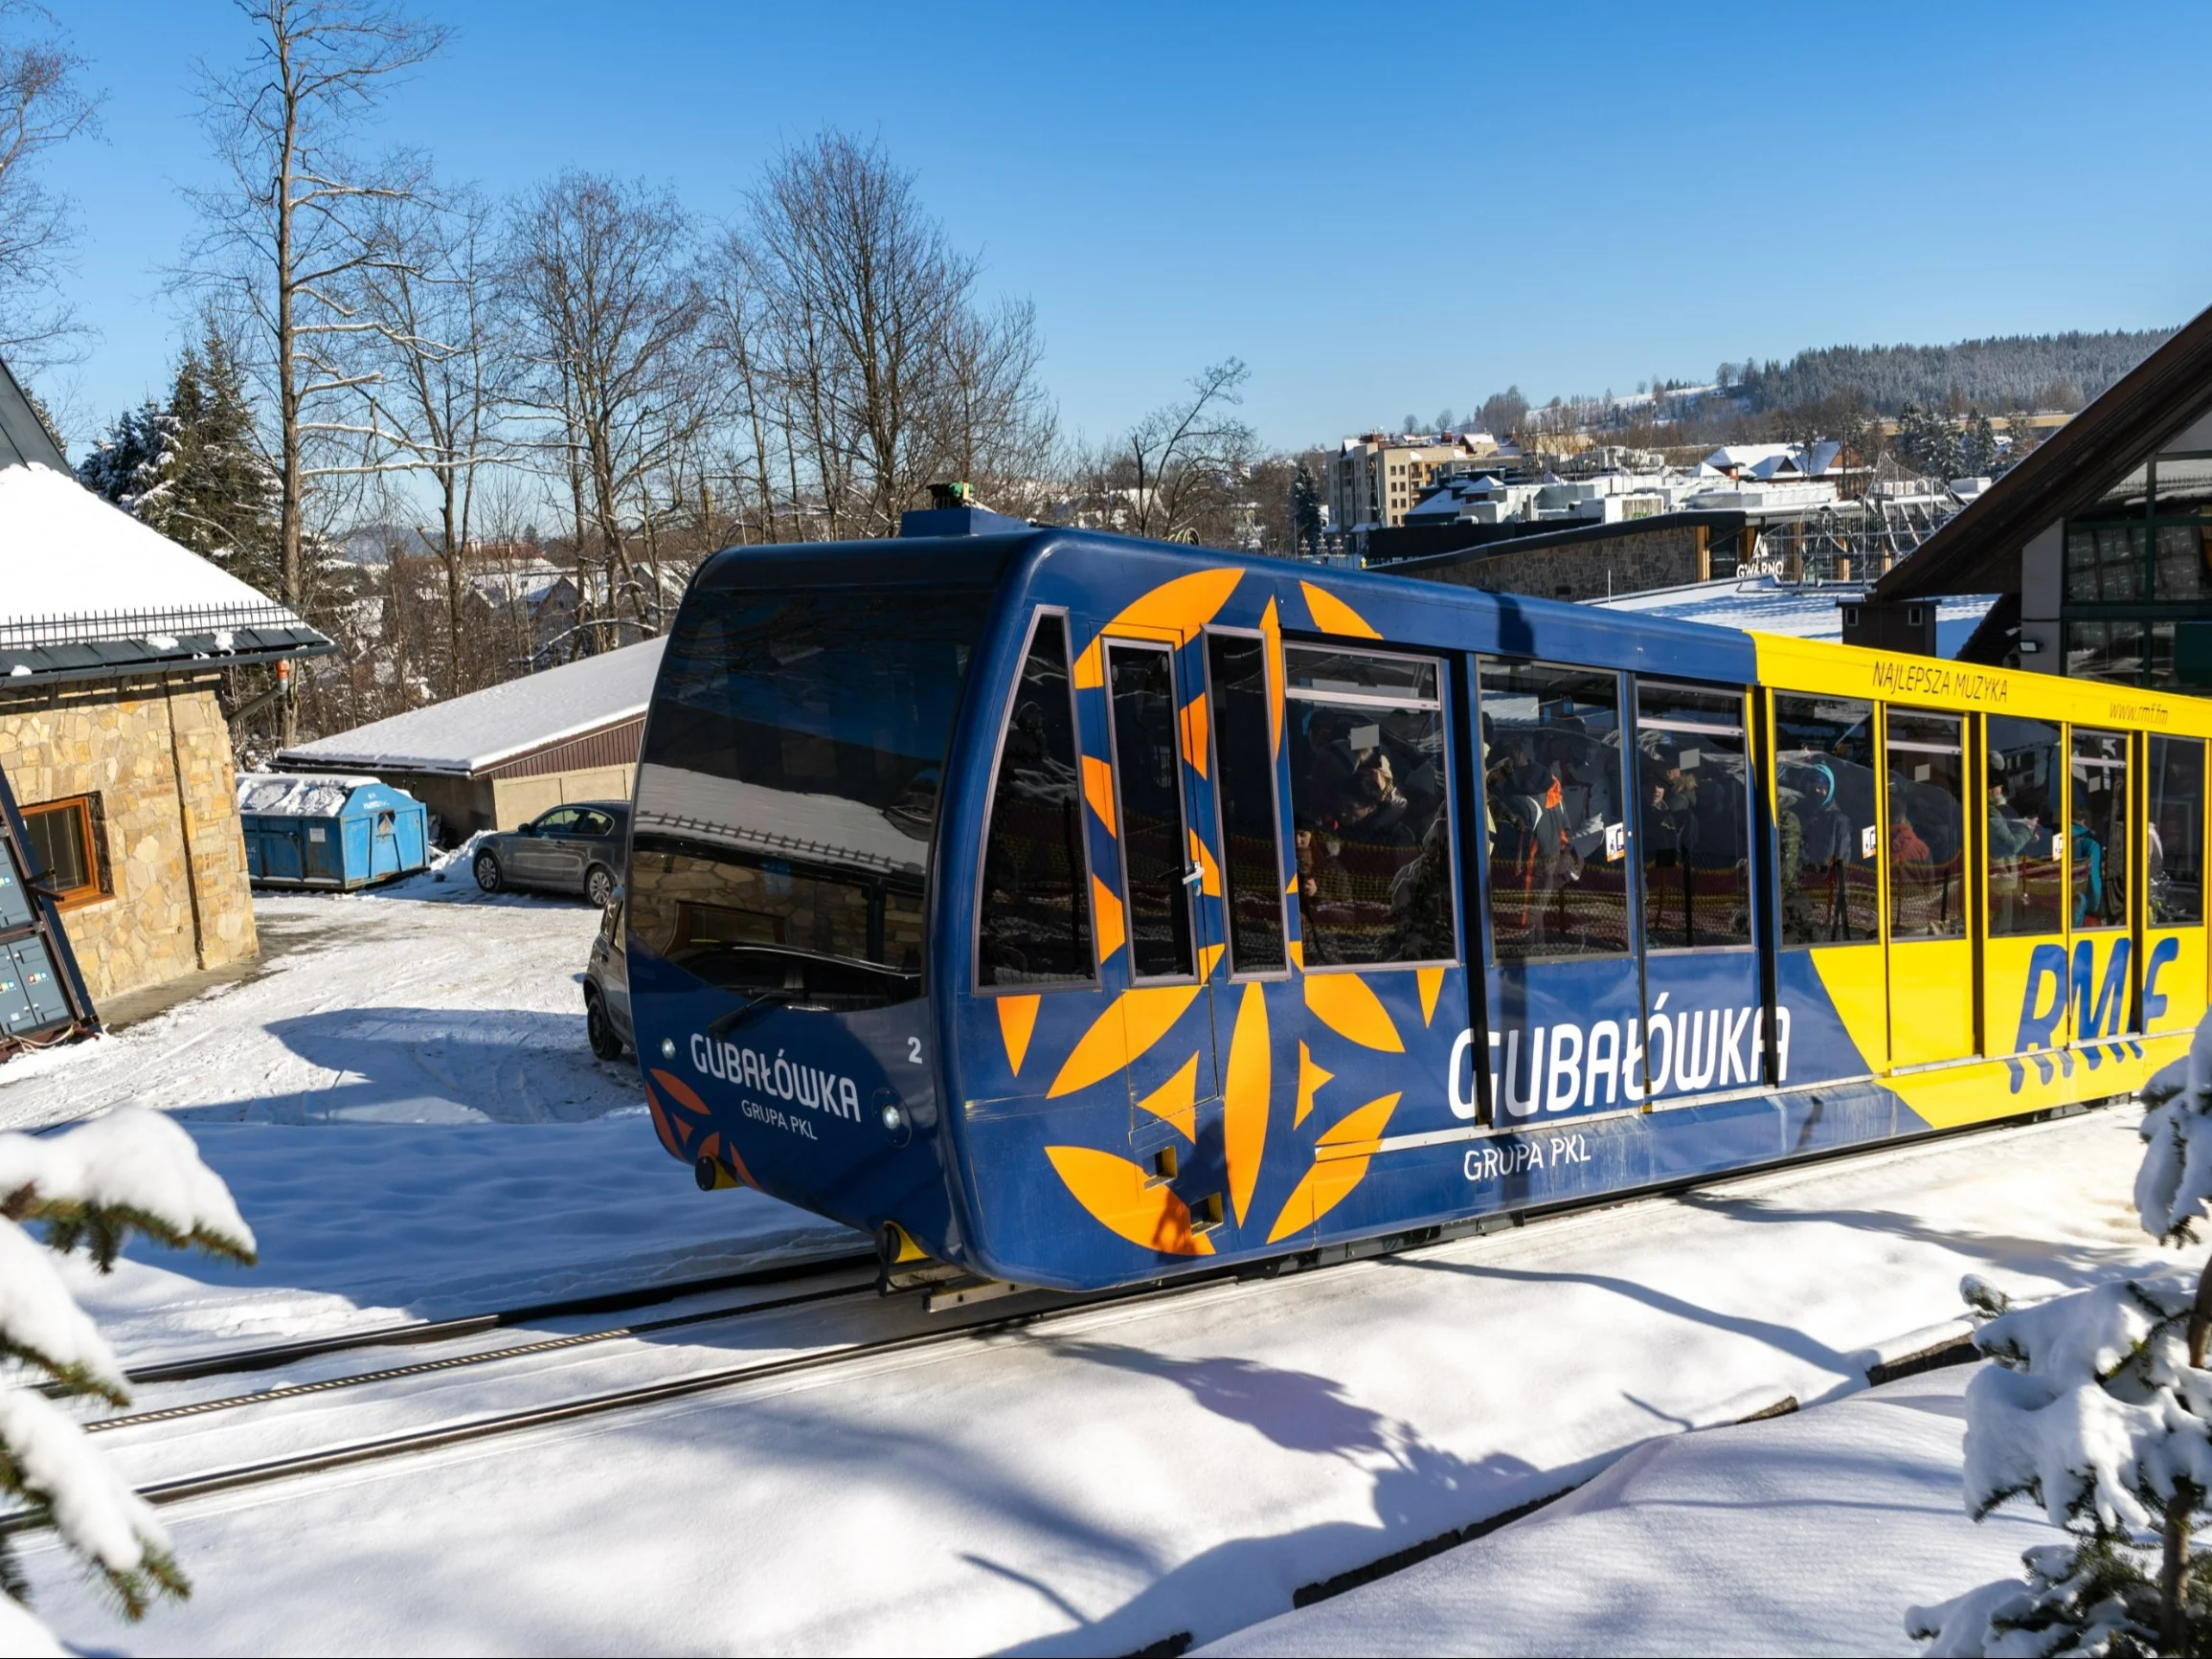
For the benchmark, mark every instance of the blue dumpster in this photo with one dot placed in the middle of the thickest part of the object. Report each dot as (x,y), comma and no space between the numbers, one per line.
(316,830)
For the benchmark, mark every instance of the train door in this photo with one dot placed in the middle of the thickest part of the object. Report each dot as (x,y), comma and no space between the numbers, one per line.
(2024,977)
(2102,868)
(1701,995)
(1826,795)
(1167,948)
(1930,958)
(2173,984)
(1262,1058)
(1563,996)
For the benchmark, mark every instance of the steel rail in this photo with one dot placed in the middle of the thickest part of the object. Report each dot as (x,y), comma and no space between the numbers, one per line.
(268,1358)
(178,1490)
(460,1362)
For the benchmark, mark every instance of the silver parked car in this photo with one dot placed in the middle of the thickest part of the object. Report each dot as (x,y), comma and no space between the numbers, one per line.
(607,987)
(576,848)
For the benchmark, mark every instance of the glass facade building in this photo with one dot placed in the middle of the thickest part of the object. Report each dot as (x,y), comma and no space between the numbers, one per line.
(2137,604)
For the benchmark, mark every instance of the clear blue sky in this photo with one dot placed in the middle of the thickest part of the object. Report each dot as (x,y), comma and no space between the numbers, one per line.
(1381,211)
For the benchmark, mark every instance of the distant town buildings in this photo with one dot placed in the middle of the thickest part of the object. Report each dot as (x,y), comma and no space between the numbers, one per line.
(1377,479)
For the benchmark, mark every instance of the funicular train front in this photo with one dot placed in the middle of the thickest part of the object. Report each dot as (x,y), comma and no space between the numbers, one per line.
(1079,911)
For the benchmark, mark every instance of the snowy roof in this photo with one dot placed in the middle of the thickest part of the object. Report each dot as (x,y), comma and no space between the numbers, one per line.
(1766,605)
(86,591)
(297,795)
(466,734)
(64,551)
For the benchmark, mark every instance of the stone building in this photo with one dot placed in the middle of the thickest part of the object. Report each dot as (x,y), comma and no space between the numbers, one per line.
(114,642)
(1593,561)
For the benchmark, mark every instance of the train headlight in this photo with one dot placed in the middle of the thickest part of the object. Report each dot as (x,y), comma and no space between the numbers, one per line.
(894,1118)
(667,1049)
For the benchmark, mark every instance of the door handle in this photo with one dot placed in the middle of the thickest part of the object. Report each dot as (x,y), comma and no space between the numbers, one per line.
(1193,876)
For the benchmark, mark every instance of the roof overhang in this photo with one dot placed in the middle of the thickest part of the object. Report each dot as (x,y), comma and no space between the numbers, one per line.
(1978,551)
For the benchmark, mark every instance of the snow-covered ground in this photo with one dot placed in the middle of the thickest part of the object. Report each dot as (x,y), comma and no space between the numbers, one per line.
(1808,1533)
(405,1107)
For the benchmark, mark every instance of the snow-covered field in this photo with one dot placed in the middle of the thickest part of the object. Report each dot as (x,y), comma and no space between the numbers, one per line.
(407,1112)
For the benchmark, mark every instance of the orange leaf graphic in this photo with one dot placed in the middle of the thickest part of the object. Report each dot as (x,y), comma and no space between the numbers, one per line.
(1112,930)
(1017,1021)
(1131,1025)
(1119,1194)
(1098,790)
(1332,615)
(1244,1099)
(1176,1101)
(1343,1003)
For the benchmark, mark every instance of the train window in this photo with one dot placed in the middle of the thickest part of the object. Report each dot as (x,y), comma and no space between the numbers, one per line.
(2097,829)
(1926,839)
(2026,881)
(1154,841)
(2174,852)
(788,786)
(1827,820)
(1694,818)
(1368,794)
(1244,753)
(1033,927)
(1552,809)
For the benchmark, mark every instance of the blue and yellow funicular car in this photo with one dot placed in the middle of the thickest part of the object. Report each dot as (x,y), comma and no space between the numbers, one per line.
(1078,911)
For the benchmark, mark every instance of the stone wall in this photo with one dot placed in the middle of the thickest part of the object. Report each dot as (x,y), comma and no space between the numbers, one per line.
(158,759)
(1578,568)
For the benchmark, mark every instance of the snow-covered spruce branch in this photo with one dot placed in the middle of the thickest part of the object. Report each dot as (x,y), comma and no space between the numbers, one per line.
(2099,1410)
(131,1171)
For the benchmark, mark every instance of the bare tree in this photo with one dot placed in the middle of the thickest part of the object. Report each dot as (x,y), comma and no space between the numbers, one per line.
(42,105)
(434,392)
(607,311)
(868,294)
(993,425)
(740,318)
(1176,472)
(285,239)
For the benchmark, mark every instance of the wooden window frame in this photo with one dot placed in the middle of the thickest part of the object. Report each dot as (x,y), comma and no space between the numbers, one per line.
(90,821)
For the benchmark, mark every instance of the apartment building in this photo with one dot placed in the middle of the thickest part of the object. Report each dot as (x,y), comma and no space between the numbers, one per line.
(1379,476)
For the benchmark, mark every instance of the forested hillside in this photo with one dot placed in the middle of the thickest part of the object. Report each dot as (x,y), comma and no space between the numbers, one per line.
(2016,372)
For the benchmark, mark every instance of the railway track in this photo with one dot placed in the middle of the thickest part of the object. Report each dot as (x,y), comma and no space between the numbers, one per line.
(970,1329)
(417,1331)
(482,1357)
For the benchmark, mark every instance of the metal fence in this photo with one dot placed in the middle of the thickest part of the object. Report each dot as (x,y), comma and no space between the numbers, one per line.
(88,627)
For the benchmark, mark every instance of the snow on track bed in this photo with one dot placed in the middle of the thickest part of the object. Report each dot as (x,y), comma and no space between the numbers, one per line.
(404,1105)
(1131,1473)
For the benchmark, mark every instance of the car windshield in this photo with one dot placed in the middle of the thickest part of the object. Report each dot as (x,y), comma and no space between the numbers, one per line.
(789,785)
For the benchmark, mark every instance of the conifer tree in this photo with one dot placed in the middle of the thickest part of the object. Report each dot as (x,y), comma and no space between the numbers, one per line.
(192,469)
(129,1172)
(1977,449)
(126,464)
(2100,1409)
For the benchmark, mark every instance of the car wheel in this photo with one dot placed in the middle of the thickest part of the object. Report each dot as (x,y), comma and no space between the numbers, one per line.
(487,872)
(600,885)
(601,1031)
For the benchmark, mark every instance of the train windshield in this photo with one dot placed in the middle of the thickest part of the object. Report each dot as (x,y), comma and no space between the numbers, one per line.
(789,784)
